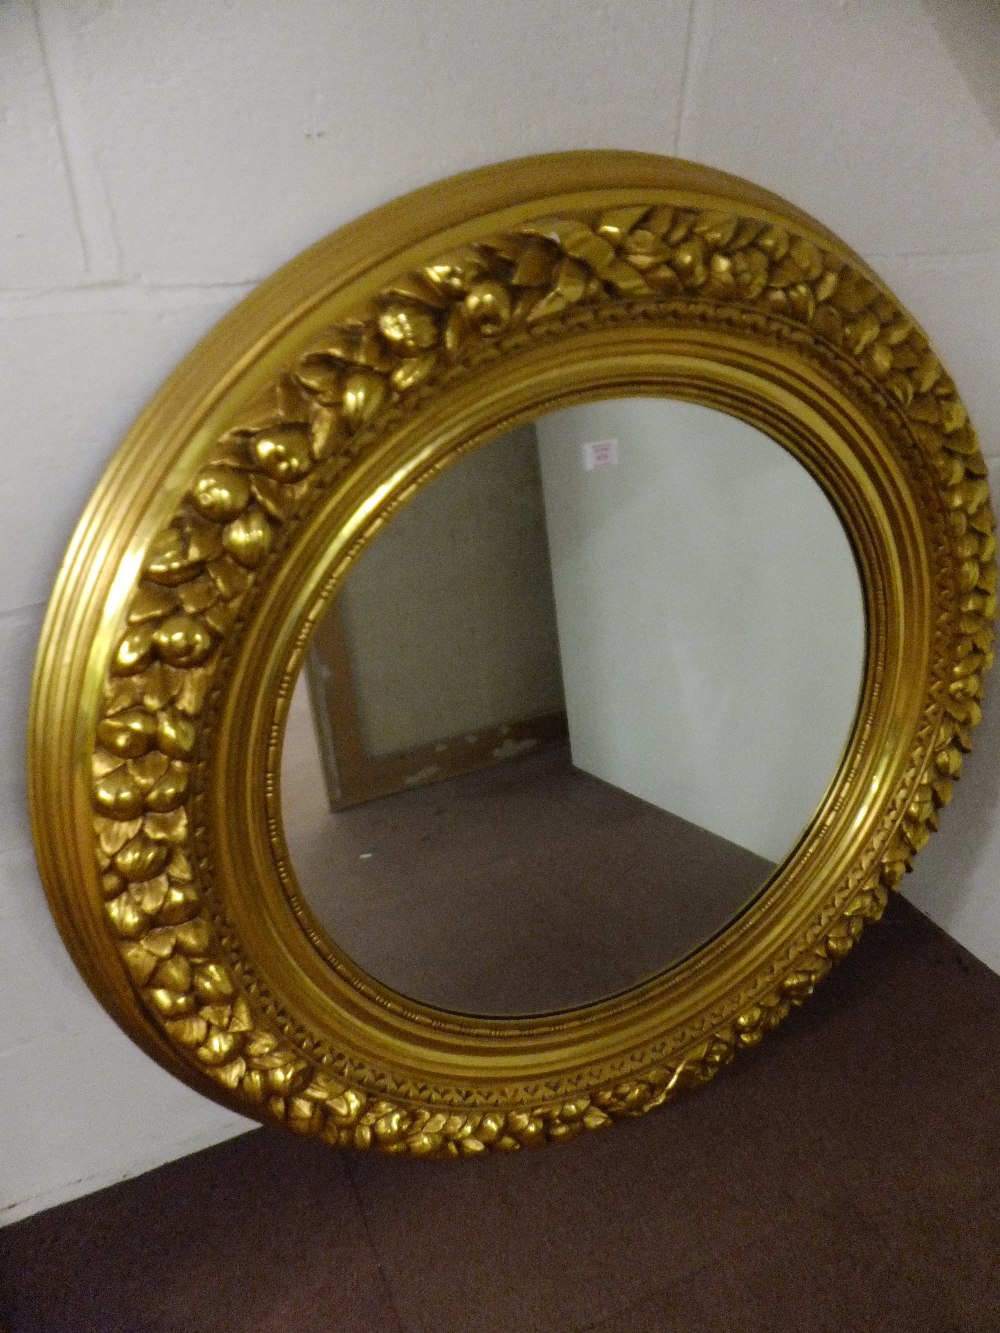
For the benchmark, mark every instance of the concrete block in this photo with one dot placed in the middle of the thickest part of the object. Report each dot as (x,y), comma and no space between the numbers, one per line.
(85,1110)
(44,994)
(18,640)
(240,132)
(75,373)
(40,243)
(857,113)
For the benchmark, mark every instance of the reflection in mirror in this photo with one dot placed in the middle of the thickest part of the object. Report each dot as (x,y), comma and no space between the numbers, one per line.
(571,707)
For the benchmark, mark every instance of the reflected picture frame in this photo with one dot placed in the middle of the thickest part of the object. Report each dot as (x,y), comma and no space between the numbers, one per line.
(233,510)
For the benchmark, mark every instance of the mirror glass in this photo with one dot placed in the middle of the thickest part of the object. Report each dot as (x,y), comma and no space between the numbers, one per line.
(573,705)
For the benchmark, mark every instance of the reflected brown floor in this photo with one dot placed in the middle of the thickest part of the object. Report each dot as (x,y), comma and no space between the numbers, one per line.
(432,891)
(844,1177)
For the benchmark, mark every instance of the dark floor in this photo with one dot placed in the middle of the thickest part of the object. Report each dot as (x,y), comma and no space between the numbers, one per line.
(842,1178)
(431,891)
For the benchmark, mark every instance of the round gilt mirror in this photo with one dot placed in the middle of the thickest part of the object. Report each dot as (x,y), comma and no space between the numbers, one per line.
(557,735)
(512,659)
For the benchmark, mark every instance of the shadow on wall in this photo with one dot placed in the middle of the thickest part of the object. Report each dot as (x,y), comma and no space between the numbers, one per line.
(970,30)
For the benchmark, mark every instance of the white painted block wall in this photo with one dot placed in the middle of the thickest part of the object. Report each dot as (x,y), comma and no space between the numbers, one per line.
(156,160)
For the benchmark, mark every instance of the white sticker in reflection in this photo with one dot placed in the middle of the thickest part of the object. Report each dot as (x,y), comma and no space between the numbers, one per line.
(600,453)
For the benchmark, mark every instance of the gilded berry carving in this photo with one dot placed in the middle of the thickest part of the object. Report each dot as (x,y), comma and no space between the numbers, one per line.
(651,262)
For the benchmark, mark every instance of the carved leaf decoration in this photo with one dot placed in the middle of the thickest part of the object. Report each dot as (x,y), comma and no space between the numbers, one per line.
(175,945)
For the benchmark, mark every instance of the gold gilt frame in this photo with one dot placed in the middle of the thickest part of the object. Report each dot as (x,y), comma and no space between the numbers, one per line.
(242,495)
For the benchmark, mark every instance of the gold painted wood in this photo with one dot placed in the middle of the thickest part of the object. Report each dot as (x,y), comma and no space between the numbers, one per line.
(234,508)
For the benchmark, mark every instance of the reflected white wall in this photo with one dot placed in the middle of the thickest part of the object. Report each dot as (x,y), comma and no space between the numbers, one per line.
(710,618)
